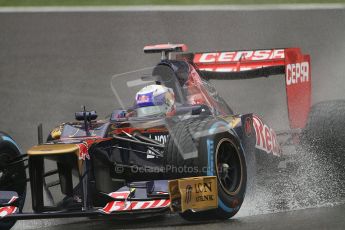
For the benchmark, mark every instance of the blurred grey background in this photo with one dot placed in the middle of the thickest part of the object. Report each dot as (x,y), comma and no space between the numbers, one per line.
(52,63)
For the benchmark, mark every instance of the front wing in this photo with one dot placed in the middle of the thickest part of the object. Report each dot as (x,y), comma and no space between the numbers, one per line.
(132,202)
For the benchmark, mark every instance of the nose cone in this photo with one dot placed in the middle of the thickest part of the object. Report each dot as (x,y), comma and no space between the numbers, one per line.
(53,149)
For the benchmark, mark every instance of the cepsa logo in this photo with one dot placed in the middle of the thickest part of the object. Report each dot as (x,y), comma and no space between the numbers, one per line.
(266,138)
(236,56)
(297,73)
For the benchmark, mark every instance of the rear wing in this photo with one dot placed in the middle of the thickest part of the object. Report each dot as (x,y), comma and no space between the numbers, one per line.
(231,65)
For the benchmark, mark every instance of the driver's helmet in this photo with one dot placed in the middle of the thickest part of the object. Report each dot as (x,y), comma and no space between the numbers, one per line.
(155,100)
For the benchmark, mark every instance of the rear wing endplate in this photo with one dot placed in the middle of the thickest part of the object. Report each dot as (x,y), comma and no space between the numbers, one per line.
(231,65)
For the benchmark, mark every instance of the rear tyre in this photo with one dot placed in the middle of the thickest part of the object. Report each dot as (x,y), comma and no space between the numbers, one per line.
(11,178)
(219,154)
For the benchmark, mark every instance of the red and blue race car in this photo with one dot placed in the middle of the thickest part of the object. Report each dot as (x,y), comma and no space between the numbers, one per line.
(173,145)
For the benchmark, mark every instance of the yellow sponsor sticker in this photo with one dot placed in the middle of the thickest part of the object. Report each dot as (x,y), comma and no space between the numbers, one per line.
(56,133)
(194,193)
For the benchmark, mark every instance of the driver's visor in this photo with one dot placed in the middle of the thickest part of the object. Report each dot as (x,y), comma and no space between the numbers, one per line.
(151,110)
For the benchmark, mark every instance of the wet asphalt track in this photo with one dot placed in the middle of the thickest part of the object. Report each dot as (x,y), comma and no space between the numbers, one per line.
(317,218)
(52,63)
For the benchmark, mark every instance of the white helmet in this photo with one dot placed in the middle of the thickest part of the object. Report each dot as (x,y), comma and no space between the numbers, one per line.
(154,100)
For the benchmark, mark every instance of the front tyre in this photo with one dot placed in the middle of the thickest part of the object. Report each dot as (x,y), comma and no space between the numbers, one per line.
(11,178)
(219,154)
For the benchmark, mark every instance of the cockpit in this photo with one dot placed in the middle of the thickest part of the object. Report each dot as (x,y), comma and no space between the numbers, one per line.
(134,92)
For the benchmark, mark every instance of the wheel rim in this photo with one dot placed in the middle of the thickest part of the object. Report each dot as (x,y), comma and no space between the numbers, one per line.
(228,166)
(4,173)
(9,177)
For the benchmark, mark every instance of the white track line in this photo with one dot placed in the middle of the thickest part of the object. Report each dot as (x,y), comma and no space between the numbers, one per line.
(172,8)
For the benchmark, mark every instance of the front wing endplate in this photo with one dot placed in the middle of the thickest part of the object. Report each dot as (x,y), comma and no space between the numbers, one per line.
(193,193)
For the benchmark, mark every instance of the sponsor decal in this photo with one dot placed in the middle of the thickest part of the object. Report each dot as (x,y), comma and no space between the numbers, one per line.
(8,210)
(143,98)
(56,133)
(84,151)
(194,193)
(160,138)
(202,190)
(266,138)
(235,56)
(116,206)
(189,190)
(297,73)
(233,69)
(203,187)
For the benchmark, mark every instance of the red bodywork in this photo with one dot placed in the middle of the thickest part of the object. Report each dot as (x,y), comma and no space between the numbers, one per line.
(296,67)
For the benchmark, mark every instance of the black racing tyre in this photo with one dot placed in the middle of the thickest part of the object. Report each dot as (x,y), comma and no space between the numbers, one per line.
(11,178)
(219,153)
(324,133)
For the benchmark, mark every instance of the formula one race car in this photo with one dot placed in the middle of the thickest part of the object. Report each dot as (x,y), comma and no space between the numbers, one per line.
(173,146)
